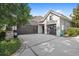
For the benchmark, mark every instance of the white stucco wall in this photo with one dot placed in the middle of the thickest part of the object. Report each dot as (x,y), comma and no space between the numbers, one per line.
(39,29)
(64,24)
(57,22)
(54,17)
(45,27)
(61,24)
(67,25)
(58,28)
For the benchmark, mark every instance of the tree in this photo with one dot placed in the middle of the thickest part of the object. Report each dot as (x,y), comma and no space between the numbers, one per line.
(14,14)
(23,14)
(75,17)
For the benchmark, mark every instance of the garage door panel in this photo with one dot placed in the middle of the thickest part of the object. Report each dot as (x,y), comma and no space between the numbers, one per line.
(52,29)
(28,29)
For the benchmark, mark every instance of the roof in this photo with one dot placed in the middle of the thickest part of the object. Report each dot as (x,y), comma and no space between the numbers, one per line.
(57,14)
(35,20)
(39,19)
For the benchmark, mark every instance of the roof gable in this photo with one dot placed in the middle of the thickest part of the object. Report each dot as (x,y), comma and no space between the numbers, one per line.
(55,13)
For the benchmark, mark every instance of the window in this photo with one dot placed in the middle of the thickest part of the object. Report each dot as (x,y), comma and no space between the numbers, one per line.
(50,17)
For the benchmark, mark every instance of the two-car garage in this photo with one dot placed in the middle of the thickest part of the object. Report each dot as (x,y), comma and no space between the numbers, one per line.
(28,29)
(33,29)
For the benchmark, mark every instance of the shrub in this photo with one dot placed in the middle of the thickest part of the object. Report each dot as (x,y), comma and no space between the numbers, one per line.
(8,47)
(2,35)
(72,31)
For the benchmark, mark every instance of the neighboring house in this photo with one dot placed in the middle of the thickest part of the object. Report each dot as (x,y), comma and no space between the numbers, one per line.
(52,23)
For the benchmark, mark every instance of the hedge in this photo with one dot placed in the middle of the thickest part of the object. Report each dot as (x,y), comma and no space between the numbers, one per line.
(72,31)
(8,47)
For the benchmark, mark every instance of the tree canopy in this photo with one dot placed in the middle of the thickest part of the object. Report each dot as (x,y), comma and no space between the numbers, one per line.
(14,13)
(75,17)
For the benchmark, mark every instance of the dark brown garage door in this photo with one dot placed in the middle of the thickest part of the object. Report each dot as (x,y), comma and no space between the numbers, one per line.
(28,29)
(52,29)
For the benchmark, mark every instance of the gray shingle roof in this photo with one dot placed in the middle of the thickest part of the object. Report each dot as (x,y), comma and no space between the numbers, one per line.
(35,20)
(39,19)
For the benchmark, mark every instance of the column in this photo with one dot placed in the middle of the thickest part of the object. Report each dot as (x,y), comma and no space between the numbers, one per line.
(39,29)
(58,29)
(45,27)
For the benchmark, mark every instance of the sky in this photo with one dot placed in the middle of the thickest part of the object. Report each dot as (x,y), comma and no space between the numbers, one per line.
(40,9)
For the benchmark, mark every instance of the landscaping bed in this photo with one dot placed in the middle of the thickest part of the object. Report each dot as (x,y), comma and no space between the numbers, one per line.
(8,47)
(72,31)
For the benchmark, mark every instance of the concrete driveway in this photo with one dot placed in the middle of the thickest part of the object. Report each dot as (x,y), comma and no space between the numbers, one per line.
(48,45)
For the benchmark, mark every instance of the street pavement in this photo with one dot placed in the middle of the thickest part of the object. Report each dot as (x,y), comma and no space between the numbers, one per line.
(48,45)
